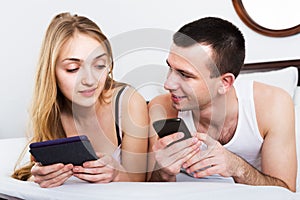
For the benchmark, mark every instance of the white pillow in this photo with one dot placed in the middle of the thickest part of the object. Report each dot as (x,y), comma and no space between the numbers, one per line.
(297,96)
(297,119)
(286,78)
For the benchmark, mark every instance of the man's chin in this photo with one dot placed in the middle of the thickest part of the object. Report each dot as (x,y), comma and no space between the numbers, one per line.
(179,107)
(182,107)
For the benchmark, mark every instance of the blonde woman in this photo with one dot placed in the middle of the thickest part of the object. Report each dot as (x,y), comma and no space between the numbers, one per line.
(75,94)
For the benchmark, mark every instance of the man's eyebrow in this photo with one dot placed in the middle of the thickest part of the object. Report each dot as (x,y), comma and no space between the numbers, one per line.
(179,70)
(185,72)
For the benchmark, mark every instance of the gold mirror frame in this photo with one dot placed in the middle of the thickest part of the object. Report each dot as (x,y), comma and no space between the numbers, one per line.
(243,14)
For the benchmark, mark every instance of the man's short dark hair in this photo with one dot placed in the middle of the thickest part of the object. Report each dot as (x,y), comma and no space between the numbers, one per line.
(226,40)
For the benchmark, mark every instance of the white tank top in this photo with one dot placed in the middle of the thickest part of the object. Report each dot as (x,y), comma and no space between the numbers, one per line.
(247,141)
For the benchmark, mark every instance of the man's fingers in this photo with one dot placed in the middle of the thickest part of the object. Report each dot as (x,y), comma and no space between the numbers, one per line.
(201,165)
(182,154)
(167,140)
(208,140)
(176,151)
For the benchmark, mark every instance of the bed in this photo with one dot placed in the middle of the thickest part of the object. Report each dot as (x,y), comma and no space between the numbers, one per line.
(283,74)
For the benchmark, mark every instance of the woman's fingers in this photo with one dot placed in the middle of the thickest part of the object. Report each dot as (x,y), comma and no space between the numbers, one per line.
(52,175)
(102,170)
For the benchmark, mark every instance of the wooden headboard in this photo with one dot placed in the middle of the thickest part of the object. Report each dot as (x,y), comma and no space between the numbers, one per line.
(272,65)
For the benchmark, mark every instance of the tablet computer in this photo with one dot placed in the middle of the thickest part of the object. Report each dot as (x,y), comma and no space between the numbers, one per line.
(75,150)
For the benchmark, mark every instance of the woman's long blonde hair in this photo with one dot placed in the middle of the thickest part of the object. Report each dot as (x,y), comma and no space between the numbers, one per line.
(47,102)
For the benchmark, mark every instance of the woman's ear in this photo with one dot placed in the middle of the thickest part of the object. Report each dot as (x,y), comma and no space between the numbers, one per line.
(227,81)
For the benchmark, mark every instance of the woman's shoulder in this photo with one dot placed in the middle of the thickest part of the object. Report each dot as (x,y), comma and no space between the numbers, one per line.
(128,94)
(163,100)
(162,106)
(133,108)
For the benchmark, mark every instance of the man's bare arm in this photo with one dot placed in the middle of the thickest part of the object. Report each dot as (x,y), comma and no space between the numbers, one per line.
(247,174)
(276,120)
(218,160)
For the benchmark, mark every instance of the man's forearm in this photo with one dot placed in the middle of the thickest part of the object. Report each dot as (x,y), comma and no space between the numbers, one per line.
(247,174)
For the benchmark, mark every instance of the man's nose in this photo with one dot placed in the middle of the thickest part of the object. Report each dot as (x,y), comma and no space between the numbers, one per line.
(172,81)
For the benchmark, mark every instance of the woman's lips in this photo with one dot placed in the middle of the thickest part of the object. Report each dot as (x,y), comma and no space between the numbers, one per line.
(88,93)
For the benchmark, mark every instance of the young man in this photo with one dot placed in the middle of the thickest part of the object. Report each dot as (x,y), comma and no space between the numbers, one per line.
(245,131)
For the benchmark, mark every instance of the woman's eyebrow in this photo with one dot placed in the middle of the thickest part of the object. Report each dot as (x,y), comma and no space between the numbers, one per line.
(80,61)
(101,55)
(72,59)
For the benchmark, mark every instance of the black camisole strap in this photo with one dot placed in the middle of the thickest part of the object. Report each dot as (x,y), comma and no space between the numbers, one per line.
(117,115)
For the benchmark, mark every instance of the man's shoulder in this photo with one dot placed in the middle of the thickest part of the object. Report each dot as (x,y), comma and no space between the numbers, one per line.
(271,103)
(265,93)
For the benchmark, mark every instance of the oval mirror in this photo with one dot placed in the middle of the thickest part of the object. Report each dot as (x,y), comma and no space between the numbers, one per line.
(274,18)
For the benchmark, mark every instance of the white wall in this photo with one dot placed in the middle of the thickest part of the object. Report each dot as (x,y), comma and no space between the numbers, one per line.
(23,24)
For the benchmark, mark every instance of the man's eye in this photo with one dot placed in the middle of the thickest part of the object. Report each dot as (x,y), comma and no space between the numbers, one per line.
(184,75)
(72,70)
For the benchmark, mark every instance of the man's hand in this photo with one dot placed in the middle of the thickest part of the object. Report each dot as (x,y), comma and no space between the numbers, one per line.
(214,160)
(169,159)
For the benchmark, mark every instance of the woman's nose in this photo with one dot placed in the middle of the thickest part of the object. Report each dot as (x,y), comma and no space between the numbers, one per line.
(88,77)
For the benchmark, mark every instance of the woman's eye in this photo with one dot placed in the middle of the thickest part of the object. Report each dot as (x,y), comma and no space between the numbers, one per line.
(100,66)
(72,70)
(72,67)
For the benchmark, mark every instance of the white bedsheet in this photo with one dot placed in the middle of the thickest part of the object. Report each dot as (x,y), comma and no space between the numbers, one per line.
(178,190)
(77,189)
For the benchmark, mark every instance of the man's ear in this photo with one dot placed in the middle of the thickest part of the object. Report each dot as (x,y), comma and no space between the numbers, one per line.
(226,81)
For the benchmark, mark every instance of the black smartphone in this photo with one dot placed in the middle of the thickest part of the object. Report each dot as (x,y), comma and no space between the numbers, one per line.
(169,126)
(75,150)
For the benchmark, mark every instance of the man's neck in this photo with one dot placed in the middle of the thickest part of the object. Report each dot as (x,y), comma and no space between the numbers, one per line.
(220,118)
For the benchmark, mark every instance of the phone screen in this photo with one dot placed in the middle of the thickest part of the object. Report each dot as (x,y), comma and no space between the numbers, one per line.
(166,127)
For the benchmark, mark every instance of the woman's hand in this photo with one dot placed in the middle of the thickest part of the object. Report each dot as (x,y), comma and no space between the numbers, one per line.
(103,170)
(51,175)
